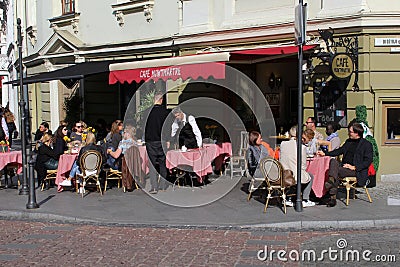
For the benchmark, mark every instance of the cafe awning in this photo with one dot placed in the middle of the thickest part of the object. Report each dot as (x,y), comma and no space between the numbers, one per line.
(67,75)
(193,66)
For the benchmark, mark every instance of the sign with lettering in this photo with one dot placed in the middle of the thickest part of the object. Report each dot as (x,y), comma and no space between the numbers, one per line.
(387,41)
(342,66)
(330,102)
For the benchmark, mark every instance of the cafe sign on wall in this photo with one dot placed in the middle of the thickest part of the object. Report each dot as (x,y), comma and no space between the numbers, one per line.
(342,66)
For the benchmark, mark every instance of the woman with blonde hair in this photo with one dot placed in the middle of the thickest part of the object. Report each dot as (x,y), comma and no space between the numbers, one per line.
(47,158)
(10,121)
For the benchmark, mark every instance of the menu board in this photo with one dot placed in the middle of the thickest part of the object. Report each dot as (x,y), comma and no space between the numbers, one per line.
(330,102)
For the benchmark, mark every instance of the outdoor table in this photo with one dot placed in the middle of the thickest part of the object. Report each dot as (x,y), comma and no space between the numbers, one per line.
(319,166)
(223,151)
(11,157)
(64,166)
(198,159)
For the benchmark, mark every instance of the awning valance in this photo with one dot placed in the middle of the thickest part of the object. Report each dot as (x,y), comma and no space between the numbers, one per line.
(193,66)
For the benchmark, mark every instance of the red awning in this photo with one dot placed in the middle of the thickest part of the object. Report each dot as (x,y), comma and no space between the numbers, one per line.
(194,66)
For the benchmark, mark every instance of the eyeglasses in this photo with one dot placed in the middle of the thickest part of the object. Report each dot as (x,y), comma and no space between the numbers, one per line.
(65,129)
(307,122)
(78,126)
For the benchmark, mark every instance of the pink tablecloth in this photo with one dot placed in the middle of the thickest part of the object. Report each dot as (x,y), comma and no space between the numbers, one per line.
(64,166)
(198,159)
(319,166)
(145,159)
(221,152)
(11,157)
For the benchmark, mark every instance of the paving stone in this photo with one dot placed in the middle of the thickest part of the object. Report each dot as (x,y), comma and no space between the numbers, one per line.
(42,236)
(8,257)
(20,246)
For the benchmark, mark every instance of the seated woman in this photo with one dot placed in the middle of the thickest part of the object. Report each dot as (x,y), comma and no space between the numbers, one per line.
(123,146)
(60,144)
(112,139)
(288,159)
(310,142)
(90,144)
(255,153)
(47,158)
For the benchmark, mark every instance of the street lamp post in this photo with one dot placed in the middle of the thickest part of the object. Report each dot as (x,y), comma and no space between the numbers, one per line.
(24,188)
(300,41)
(25,132)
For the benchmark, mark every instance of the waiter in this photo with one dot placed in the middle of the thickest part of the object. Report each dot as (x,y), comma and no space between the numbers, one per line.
(155,118)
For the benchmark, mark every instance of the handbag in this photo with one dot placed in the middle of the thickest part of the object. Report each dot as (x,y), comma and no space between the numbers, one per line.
(288,178)
(51,164)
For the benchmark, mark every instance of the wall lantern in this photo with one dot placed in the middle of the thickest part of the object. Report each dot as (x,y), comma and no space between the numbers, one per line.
(274,82)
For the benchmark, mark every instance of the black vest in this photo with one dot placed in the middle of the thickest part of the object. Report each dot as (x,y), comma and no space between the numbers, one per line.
(187,137)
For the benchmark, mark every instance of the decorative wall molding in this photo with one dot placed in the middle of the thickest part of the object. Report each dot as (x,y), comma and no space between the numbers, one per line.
(65,21)
(31,31)
(131,7)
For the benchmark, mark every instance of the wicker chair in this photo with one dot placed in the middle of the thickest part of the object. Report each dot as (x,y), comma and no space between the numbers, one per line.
(90,164)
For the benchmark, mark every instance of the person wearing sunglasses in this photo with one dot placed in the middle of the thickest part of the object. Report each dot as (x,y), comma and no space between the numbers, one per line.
(77,131)
(60,145)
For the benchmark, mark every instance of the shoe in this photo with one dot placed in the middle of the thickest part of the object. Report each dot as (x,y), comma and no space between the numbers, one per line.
(308,203)
(66,182)
(289,203)
(331,203)
(153,191)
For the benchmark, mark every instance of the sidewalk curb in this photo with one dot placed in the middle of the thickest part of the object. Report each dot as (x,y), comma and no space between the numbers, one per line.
(299,225)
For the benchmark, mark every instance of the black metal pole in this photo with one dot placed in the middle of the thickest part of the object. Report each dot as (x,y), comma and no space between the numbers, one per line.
(299,203)
(24,188)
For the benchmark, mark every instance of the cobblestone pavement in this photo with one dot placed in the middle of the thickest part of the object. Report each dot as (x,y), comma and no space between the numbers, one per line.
(25,243)
(384,189)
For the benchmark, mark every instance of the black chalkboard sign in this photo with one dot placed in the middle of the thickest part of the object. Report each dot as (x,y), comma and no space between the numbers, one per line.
(330,102)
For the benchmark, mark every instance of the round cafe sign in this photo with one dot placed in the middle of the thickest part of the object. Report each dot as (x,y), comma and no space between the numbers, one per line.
(342,66)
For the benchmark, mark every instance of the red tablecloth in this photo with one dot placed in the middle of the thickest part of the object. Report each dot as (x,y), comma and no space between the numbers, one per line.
(64,166)
(11,157)
(319,166)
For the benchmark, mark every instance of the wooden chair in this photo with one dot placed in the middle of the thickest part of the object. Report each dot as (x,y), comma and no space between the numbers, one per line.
(112,174)
(51,175)
(90,164)
(272,170)
(351,183)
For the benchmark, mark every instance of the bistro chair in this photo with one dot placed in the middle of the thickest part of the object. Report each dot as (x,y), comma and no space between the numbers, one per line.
(272,170)
(10,170)
(351,183)
(236,164)
(112,174)
(255,183)
(90,164)
(51,175)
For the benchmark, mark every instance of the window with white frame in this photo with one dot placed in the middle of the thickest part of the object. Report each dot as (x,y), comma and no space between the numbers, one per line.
(68,6)
(391,123)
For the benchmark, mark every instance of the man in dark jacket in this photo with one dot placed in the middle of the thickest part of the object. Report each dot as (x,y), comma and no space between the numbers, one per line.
(357,157)
(154,136)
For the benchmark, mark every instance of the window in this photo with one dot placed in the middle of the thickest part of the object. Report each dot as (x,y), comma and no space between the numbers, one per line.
(391,123)
(68,6)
